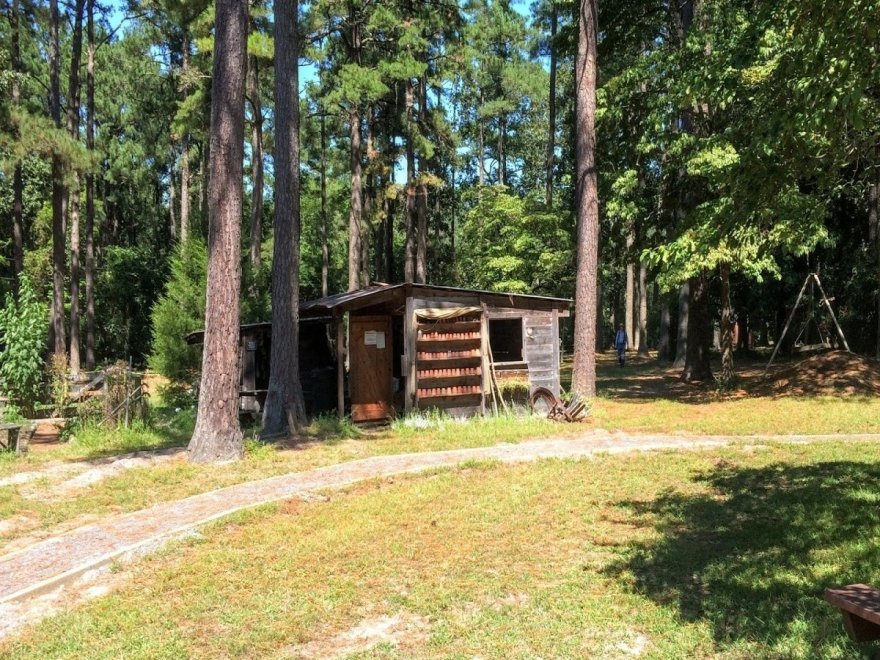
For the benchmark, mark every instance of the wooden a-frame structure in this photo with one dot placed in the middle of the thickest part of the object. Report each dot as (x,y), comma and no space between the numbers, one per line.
(811,278)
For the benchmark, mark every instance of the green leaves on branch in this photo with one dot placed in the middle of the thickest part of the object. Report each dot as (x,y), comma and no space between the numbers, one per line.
(23,329)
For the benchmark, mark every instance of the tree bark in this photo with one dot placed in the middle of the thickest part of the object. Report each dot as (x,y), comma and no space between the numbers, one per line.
(285,412)
(253,92)
(584,373)
(57,338)
(409,245)
(551,110)
(663,347)
(17,182)
(502,159)
(874,228)
(643,308)
(697,367)
(727,375)
(681,342)
(355,214)
(73,120)
(422,197)
(90,189)
(481,147)
(325,245)
(630,298)
(184,160)
(217,435)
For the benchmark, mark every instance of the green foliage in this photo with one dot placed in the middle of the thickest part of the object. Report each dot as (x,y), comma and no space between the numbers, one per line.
(179,312)
(23,329)
(512,244)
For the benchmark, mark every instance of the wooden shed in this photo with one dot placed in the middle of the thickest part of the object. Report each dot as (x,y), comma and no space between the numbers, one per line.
(417,346)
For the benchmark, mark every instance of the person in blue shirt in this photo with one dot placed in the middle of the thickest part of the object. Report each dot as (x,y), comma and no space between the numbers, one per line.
(621,343)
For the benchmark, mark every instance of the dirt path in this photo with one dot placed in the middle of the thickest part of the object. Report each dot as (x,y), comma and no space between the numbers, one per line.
(46,567)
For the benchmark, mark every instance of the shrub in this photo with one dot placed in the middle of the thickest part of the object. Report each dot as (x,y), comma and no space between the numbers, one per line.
(181,310)
(23,329)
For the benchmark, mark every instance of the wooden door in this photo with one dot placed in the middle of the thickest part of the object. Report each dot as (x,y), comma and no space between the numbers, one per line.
(370,367)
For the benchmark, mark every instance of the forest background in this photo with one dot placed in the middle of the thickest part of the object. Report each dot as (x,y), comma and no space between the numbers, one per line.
(738,149)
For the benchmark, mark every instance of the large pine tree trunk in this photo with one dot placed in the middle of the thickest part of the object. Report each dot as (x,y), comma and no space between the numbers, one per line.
(697,367)
(17,182)
(355,213)
(643,308)
(481,147)
(217,435)
(502,157)
(422,197)
(410,224)
(57,339)
(73,119)
(681,341)
(874,225)
(325,245)
(185,203)
(727,374)
(285,411)
(253,92)
(631,293)
(663,347)
(89,229)
(584,374)
(551,109)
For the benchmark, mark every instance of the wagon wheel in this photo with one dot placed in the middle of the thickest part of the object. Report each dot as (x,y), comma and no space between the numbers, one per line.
(544,401)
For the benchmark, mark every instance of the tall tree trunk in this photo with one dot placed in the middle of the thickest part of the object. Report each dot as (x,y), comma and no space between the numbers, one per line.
(663,347)
(630,298)
(253,92)
(697,367)
(551,110)
(325,244)
(90,189)
(389,241)
(355,214)
(681,342)
(172,201)
(502,159)
(73,119)
(57,339)
(643,308)
(584,374)
(17,182)
(185,203)
(481,147)
(422,196)
(409,246)
(285,411)
(600,318)
(217,435)
(727,374)
(874,225)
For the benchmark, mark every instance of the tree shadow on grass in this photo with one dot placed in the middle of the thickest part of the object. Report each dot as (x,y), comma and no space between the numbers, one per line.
(753,556)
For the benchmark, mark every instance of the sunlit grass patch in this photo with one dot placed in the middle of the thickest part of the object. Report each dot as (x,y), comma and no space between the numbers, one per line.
(673,554)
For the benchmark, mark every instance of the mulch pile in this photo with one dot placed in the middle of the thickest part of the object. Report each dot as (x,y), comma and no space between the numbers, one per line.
(832,373)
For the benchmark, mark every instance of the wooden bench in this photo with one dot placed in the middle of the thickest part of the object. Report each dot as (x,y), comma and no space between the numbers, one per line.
(860,606)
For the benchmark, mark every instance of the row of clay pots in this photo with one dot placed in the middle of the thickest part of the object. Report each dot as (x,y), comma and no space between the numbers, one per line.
(449,391)
(448,336)
(449,373)
(444,355)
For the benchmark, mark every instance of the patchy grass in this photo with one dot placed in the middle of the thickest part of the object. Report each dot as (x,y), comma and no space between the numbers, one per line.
(666,555)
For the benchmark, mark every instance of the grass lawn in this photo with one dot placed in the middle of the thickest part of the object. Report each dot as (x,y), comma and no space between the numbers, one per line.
(667,555)
(640,398)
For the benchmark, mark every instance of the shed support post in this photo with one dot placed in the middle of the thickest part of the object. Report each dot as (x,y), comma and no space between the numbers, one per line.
(341,351)
(409,353)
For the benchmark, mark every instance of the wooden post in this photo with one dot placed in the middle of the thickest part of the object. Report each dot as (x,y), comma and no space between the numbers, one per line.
(409,353)
(554,331)
(340,366)
(831,311)
(787,323)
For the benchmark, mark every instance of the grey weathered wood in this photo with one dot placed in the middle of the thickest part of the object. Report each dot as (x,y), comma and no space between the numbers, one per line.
(340,366)
(409,354)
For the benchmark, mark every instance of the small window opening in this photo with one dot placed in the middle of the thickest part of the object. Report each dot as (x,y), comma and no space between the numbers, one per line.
(506,340)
